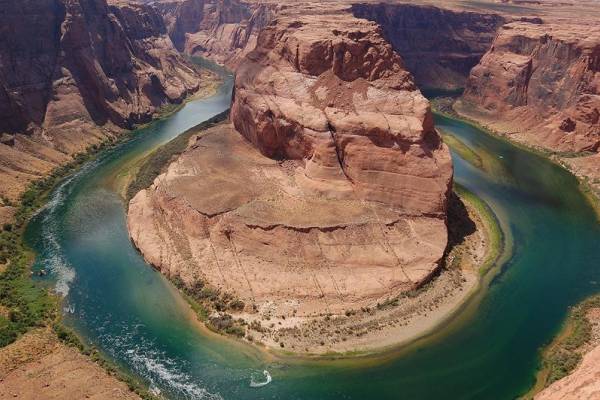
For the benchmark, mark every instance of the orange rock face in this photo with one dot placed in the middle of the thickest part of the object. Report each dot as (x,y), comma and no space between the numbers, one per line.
(224,31)
(326,193)
(331,92)
(71,66)
(545,76)
(439,46)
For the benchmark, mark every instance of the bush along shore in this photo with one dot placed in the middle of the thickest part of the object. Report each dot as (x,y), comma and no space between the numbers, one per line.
(25,304)
(565,352)
(210,304)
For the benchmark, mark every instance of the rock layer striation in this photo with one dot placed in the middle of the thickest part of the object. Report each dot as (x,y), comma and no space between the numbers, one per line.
(69,67)
(327,193)
(541,82)
(223,31)
(439,45)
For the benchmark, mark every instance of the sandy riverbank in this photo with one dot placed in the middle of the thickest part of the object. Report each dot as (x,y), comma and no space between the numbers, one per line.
(385,322)
(397,322)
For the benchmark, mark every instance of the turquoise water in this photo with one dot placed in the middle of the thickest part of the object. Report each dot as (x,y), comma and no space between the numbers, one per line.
(132,314)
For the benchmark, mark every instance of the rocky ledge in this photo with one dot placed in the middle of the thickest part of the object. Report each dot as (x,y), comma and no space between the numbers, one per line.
(546,76)
(223,31)
(75,72)
(326,194)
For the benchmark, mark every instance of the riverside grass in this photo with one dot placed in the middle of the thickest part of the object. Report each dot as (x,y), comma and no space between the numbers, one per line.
(28,304)
(160,158)
(564,353)
(492,227)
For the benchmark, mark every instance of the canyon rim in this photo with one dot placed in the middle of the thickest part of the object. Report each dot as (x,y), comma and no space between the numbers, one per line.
(319,216)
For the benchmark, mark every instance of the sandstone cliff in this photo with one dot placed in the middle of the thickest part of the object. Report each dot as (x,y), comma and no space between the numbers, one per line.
(221,30)
(541,84)
(331,195)
(73,72)
(583,383)
(439,46)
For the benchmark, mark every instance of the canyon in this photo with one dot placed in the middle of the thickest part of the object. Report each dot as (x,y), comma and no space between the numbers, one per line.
(75,73)
(335,201)
(539,69)
(324,200)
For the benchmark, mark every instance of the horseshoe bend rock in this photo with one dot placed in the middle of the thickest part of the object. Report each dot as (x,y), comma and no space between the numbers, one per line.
(326,193)
(330,91)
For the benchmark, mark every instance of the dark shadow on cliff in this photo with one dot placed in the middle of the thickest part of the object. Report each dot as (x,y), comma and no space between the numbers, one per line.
(460,225)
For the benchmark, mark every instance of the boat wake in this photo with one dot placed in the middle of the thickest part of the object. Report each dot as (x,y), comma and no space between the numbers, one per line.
(267,380)
(164,373)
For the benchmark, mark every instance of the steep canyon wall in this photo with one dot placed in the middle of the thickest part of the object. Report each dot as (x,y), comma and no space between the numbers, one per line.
(73,72)
(541,82)
(224,31)
(331,192)
(439,46)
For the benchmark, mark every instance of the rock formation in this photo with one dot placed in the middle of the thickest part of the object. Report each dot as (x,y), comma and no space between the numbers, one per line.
(583,383)
(331,194)
(221,30)
(38,366)
(69,67)
(439,46)
(541,84)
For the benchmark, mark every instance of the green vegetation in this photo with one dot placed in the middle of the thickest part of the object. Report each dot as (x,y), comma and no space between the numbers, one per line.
(163,156)
(563,355)
(205,300)
(462,149)
(25,303)
(494,232)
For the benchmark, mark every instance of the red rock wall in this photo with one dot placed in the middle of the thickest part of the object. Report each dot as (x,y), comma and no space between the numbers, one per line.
(222,30)
(439,46)
(548,78)
(337,96)
(68,67)
(115,58)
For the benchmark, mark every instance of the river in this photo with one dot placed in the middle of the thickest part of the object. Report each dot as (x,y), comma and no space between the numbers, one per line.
(126,309)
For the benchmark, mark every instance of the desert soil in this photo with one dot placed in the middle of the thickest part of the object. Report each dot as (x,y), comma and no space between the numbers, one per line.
(39,366)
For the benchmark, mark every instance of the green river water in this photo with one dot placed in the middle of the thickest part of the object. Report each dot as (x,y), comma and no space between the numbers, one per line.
(119,304)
